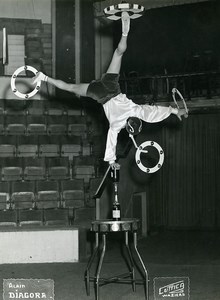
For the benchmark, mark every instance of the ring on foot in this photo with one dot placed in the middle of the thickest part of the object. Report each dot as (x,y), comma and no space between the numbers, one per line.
(13,84)
(114,12)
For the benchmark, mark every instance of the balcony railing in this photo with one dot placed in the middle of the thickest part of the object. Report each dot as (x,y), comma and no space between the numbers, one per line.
(157,88)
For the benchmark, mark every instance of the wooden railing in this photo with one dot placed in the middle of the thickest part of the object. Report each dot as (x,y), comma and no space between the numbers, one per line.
(158,87)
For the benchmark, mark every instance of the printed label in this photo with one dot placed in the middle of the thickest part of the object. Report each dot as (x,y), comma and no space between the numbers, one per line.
(116,214)
(171,287)
(34,289)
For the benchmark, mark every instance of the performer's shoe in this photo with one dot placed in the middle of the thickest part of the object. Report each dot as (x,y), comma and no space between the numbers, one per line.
(125,18)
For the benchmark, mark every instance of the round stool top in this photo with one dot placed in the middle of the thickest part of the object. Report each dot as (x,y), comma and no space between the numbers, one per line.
(108,225)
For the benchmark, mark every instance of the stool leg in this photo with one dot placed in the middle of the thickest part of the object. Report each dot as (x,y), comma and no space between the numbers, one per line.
(142,264)
(100,265)
(131,261)
(87,274)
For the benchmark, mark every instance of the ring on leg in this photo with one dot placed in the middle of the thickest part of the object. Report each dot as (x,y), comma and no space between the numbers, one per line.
(13,86)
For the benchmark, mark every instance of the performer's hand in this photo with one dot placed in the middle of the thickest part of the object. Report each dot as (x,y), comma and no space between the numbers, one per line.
(182,112)
(39,77)
(115,166)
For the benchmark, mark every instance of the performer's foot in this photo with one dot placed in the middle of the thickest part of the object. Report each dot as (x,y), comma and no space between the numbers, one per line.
(125,18)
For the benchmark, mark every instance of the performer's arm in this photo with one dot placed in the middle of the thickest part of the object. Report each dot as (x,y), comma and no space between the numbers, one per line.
(110,150)
(173,111)
(78,89)
(154,113)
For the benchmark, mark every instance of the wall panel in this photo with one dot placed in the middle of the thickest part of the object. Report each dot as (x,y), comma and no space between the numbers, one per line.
(185,191)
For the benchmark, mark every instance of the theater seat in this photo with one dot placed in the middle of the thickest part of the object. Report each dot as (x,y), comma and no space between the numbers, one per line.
(71,146)
(58,168)
(58,216)
(34,168)
(8,218)
(57,125)
(23,194)
(11,169)
(36,124)
(4,195)
(47,193)
(27,146)
(73,193)
(84,167)
(8,146)
(49,146)
(33,217)
(77,126)
(15,124)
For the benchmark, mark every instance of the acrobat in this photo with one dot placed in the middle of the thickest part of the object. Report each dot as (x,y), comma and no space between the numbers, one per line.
(117,106)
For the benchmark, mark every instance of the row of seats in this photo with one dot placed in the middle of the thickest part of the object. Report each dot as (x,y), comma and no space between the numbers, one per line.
(37,107)
(28,168)
(49,162)
(44,125)
(51,146)
(44,194)
(39,217)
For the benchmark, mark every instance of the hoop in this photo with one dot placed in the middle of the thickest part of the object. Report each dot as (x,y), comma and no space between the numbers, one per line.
(175,91)
(113,12)
(141,149)
(13,78)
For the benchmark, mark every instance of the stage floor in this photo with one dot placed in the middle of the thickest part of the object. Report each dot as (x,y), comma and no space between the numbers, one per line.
(192,254)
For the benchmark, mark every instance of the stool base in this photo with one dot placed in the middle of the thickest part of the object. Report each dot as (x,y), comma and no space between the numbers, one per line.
(133,259)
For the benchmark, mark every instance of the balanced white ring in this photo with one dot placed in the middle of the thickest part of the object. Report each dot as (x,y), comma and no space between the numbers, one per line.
(13,78)
(140,150)
(113,12)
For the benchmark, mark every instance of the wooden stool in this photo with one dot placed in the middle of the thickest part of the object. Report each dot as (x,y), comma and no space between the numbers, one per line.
(101,228)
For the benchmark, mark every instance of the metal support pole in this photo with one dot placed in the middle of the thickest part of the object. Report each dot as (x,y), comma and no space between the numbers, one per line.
(100,266)
(131,262)
(87,275)
(143,266)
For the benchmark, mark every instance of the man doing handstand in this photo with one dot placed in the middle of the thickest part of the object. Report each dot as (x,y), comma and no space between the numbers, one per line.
(118,108)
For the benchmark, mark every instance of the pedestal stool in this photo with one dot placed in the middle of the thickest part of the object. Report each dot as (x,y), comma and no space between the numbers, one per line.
(101,228)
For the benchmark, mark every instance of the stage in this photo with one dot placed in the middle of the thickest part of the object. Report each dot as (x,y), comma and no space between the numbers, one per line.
(192,254)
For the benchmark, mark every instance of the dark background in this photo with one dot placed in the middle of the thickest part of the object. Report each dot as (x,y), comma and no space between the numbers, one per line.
(169,38)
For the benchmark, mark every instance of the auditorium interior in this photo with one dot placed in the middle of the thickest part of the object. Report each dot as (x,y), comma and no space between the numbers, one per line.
(56,192)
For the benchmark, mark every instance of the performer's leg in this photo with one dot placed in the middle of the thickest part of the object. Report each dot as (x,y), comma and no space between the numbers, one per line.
(78,89)
(115,64)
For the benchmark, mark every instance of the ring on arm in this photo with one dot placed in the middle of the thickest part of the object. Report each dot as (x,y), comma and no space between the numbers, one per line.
(182,101)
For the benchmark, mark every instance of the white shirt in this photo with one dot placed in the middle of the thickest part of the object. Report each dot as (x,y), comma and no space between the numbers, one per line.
(119,109)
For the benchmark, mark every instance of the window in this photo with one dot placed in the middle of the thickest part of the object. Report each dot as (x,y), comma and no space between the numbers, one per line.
(16,53)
